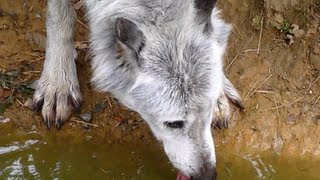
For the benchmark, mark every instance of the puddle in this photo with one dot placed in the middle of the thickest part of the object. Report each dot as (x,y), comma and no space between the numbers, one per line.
(34,156)
(52,158)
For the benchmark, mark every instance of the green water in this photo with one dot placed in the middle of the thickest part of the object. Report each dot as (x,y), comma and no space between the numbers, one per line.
(35,156)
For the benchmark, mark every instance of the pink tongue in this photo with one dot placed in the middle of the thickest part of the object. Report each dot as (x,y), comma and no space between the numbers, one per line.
(181,176)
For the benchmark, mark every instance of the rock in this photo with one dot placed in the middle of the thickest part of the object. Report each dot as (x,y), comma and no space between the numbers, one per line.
(33,85)
(4,119)
(298,33)
(278,20)
(86,117)
(38,15)
(290,39)
(28,103)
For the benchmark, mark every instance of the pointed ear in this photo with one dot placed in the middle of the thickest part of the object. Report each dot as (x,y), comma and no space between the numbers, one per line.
(129,34)
(232,94)
(204,10)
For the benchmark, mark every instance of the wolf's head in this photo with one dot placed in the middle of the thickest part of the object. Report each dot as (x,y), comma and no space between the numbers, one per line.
(167,66)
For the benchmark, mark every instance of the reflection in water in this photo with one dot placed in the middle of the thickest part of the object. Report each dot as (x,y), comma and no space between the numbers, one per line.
(16,146)
(14,167)
(32,168)
(262,170)
(58,159)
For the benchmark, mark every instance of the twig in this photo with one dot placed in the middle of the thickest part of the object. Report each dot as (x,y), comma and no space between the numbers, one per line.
(265,92)
(104,171)
(262,83)
(20,103)
(283,106)
(314,104)
(260,36)
(276,104)
(249,93)
(306,92)
(238,54)
(256,89)
(238,31)
(31,72)
(233,60)
(83,24)
(81,122)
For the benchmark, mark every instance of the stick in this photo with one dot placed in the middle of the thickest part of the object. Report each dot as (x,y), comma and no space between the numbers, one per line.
(283,106)
(81,122)
(260,36)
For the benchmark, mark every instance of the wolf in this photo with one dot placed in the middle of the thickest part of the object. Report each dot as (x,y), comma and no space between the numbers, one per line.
(161,58)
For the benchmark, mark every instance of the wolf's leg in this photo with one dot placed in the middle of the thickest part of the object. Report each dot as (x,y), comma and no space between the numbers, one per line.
(57,92)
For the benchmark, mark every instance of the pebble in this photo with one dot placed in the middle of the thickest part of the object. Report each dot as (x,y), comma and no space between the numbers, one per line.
(4,119)
(28,103)
(86,117)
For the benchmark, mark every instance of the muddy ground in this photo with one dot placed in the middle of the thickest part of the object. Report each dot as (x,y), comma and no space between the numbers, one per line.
(273,59)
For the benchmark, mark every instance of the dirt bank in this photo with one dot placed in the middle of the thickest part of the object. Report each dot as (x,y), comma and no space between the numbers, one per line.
(273,59)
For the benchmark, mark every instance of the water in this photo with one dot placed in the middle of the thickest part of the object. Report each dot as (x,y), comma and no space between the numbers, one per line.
(35,156)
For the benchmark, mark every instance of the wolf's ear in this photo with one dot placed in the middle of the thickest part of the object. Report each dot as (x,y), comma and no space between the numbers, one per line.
(129,35)
(204,10)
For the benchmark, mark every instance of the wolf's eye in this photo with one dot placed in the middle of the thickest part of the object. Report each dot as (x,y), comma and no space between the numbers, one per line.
(174,124)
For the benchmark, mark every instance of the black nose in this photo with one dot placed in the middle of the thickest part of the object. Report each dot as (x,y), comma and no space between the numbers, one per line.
(206,175)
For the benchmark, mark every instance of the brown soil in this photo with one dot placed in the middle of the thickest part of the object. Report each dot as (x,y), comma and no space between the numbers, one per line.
(276,69)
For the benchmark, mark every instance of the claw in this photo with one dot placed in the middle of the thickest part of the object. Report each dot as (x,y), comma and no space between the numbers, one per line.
(48,123)
(76,104)
(237,103)
(221,123)
(37,105)
(59,123)
(218,125)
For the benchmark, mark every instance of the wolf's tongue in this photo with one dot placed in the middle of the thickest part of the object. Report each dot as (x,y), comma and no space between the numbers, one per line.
(181,176)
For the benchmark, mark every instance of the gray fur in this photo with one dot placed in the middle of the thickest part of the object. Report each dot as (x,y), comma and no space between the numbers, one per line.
(162,59)
(58,87)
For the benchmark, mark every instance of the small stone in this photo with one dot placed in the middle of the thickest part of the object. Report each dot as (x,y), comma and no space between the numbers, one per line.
(94,156)
(33,127)
(298,33)
(279,20)
(4,119)
(28,103)
(89,138)
(38,15)
(310,92)
(33,85)
(290,39)
(86,117)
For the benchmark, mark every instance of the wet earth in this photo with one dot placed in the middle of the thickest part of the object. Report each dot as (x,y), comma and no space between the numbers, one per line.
(273,59)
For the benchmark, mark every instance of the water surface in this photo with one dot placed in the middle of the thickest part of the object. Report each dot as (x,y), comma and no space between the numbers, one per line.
(33,156)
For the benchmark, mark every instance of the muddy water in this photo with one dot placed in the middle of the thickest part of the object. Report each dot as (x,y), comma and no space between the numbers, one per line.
(37,156)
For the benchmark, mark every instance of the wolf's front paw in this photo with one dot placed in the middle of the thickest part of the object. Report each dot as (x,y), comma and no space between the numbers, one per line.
(56,98)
